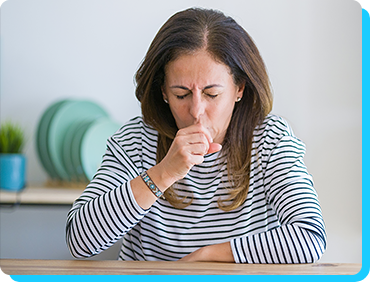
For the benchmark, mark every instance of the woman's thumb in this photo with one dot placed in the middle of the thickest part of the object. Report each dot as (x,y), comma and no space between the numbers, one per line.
(214,147)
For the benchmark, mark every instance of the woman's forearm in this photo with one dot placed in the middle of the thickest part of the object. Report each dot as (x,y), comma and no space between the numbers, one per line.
(143,195)
(218,253)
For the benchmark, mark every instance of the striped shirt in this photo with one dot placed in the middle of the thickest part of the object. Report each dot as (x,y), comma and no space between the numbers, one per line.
(280,221)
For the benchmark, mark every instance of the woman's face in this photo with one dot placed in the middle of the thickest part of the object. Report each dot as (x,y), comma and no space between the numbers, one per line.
(201,90)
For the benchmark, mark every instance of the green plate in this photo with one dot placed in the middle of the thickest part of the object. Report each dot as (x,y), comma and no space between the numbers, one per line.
(76,151)
(68,152)
(42,138)
(64,118)
(93,145)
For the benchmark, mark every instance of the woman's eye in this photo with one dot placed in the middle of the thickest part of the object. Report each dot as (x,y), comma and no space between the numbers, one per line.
(180,97)
(212,96)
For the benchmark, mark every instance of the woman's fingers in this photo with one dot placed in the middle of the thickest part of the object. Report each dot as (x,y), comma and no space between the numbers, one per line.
(199,134)
(188,149)
(196,128)
(196,143)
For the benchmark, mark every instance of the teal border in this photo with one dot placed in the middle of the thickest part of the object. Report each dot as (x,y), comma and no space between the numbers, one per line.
(365,208)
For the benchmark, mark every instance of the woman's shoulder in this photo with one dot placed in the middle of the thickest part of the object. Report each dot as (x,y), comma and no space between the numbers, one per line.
(273,129)
(276,125)
(135,128)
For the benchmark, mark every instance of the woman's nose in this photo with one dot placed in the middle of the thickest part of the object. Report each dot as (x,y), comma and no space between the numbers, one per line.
(197,106)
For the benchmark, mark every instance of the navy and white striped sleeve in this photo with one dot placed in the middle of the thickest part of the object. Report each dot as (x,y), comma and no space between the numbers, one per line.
(301,236)
(107,209)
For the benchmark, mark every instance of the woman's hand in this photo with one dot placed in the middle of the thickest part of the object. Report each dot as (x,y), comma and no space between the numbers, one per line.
(220,252)
(188,149)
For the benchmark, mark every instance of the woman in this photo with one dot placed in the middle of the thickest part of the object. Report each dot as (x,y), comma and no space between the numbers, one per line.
(207,174)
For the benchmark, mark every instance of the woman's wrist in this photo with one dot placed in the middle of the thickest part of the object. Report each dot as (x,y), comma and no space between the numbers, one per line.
(217,253)
(146,196)
(160,177)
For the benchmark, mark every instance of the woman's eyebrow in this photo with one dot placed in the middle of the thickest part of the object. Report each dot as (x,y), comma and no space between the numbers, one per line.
(179,86)
(212,85)
(205,88)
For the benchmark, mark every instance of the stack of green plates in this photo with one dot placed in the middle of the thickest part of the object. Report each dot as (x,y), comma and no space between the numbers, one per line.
(71,139)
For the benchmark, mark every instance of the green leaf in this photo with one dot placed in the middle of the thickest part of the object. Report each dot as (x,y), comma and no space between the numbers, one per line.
(11,138)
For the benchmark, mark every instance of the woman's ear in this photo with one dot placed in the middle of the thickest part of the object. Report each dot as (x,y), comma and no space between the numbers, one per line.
(164,95)
(240,92)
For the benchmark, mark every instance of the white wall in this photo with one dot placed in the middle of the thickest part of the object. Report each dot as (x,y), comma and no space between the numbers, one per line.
(91,49)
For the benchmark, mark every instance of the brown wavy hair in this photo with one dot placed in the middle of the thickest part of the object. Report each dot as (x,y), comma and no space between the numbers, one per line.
(188,31)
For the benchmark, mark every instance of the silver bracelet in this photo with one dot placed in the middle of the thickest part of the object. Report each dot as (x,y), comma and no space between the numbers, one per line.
(151,185)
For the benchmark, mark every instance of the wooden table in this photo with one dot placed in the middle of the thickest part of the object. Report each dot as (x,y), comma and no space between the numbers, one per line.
(87,267)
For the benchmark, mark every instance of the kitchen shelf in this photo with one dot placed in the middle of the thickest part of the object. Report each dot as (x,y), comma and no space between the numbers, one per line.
(41,195)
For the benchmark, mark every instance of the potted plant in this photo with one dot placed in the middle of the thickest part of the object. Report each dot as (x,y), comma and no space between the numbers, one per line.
(12,161)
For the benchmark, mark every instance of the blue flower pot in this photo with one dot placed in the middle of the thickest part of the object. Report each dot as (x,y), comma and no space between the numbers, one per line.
(12,171)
